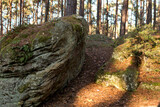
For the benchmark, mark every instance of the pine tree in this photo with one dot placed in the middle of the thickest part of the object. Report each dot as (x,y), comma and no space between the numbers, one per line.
(124,17)
(47,10)
(90,18)
(1,33)
(81,9)
(98,16)
(149,11)
(71,7)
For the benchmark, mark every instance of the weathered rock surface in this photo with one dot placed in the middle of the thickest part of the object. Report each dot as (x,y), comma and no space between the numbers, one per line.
(139,51)
(36,61)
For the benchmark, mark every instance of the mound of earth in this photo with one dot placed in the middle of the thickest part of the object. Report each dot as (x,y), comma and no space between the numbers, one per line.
(137,55)
(36,61)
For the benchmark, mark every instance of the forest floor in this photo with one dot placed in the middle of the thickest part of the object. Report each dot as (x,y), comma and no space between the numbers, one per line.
(84,92)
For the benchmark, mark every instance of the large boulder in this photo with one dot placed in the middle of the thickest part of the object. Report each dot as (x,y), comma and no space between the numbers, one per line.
(139,51)
(36,61)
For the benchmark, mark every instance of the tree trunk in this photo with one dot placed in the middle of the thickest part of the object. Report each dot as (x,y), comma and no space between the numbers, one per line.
(158,22)
(51,13)
(20,12)
(154,24)
(47,10)
(36,20)
(90,18)
(98,31)
(71,7)
(65,7)
(33,14)
(149,12)
(1,34)
(141,13)
(23,11)
(42,12)
(10,14)
(81,9)
(136,21)
(107,13)
(116,35)
(58,7)
(61,8)
(16,12)
(124,17)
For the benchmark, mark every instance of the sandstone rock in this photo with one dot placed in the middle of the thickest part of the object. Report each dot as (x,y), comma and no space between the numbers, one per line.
(137,51)
(36,61)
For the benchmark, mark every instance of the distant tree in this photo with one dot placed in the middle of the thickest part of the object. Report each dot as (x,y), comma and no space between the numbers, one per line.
(1,18)
(90,18)
(58,7)
(99,3)
(81,9)
(154,24)
(65,3)
(41,11)
(61,8)
(149,11)
(124,17)
(107,24)
(116,19)
(20,16)
(46,10)
(71,7)
(136,14)
(141,12)
(51,9)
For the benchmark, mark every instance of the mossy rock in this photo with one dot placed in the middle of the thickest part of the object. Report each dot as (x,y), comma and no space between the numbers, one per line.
(36,61)
(155,86)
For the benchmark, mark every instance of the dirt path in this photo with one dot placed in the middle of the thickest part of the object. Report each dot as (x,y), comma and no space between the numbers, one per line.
(83,92)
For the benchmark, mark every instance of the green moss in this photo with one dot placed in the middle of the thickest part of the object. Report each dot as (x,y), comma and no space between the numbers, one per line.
(23,87)
(151,86)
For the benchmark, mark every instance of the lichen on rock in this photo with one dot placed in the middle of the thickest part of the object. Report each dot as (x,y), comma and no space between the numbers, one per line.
(36,61)
(137,51)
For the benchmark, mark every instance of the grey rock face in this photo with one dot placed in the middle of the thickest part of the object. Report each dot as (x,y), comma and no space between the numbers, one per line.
(39,60)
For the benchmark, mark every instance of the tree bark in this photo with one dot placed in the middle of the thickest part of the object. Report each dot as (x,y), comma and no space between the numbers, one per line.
(124,17)
(149,12)
(10,14)
(36,20)
(51,13)
(71,7)
(81,9)
(23,16)
(1,34)
(47,10)
(154,24)
(90,18)
(107,13)
(61,8)
(141,13)
(136,21)
(42,12)
(116,35)
(58,7)
(65,7)
(98,31)
(20,12)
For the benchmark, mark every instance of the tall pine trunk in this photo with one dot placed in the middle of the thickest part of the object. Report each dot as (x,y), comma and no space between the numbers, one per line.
(47,10)
(58,7)
(42,12)
(107,13)
(124,17)
(61,8)
(20,16)
(65,4)
(136,14)
(81,9)
(154,24)
(1,34)
(116,35)
(98,31)
(10,14)
(90,18)
(51,13)
(141,12)
(36,16)
(149,12)
(71,7)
